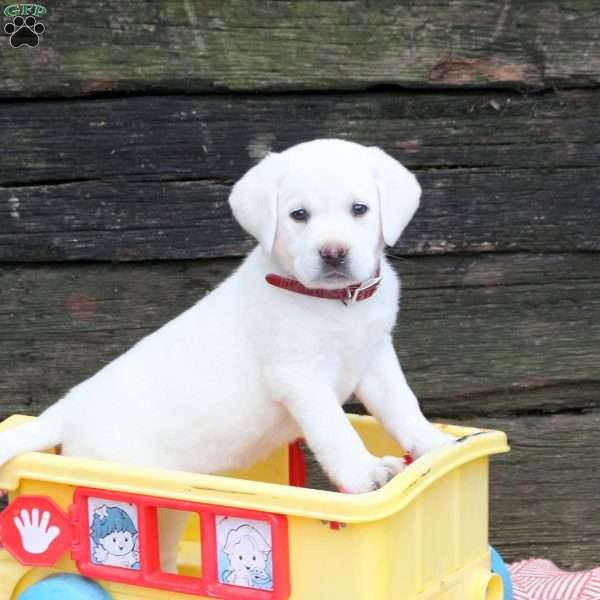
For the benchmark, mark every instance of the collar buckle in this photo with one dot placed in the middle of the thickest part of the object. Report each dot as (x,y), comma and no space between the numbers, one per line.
(352,294)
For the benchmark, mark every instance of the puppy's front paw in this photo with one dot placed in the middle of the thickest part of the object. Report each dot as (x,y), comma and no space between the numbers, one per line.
(429,440)
(373,475)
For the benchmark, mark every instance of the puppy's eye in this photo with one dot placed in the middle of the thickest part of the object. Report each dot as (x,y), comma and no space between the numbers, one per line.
(359,209)
(300,214)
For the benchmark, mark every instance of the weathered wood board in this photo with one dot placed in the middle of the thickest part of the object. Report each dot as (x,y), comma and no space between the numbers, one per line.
(497,334)
(207,45)
(148,177)
(544,493)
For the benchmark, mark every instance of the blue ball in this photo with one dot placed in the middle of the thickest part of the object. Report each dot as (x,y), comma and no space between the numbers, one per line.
(65,587)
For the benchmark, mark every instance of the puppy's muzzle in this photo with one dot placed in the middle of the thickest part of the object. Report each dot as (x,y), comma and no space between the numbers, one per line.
(333,255)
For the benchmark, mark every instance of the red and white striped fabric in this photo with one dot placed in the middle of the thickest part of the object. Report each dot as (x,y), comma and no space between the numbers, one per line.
(539,579)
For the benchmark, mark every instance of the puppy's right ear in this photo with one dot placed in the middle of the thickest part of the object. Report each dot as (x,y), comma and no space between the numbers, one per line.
(253,200)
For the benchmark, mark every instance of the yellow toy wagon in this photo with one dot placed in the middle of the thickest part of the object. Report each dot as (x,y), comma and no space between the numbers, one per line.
(76,529)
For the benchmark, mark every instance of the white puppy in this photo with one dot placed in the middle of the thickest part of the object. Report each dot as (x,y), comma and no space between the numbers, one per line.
(252,366)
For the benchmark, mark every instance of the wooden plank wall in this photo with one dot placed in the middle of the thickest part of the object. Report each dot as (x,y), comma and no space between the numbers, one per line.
(121,134)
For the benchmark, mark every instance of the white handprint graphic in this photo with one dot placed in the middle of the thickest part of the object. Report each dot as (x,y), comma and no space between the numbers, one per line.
(36,536)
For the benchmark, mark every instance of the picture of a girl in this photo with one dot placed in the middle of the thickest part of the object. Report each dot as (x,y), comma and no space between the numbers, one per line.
(114,538)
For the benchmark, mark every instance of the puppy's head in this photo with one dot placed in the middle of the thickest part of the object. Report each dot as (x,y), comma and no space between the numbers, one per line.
(325,209)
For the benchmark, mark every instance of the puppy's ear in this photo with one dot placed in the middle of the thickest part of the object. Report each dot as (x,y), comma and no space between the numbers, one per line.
(399,193)
(253,200)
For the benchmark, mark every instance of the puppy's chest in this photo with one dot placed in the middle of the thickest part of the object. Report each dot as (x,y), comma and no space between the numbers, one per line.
(330,347)
(352,353)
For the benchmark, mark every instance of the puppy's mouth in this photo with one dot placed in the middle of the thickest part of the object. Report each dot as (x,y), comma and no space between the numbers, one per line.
(334,278)
(335,274)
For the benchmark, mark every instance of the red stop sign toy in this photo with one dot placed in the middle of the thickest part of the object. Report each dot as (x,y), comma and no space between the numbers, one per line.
(35,531)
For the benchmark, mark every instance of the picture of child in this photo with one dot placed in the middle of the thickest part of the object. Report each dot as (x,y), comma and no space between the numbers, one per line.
(113,533)
(244,553)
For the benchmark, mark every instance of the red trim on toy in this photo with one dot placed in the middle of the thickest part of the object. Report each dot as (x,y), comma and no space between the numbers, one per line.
(149,573)
(297,464)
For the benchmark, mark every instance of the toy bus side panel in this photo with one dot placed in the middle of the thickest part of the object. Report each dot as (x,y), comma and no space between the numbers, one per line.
(59,492)
(473,515)
(13,583)
(335,561)
(436,542)
(19,578)
(11,574)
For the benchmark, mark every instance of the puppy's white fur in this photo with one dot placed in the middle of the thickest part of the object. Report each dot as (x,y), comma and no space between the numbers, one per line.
(251,367)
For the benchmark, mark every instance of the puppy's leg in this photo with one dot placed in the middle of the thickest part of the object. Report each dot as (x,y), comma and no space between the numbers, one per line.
(171,524)
(335,443)
(385,393)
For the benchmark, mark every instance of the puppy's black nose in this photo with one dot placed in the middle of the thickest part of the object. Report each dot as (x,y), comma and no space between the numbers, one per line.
(333,256)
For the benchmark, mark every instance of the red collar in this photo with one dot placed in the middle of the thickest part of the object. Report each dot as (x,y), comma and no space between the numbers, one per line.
(348,295)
